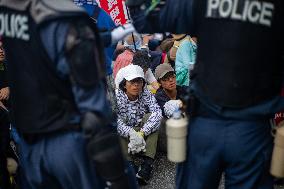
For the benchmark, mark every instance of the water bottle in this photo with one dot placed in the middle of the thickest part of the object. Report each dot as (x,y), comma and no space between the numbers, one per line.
(176,130)
(277,163)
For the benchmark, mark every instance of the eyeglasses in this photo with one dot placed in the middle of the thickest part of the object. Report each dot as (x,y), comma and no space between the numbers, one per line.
(168,76)
(138,81)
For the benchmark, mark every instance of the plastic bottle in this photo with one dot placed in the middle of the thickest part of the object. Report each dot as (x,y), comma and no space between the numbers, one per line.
(277,163)
(176,129)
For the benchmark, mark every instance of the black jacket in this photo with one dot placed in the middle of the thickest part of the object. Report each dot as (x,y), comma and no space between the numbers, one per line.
(3,76)
(162,97)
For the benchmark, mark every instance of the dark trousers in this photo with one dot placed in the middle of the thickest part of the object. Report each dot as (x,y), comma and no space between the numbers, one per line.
(57,161)
(151,146)
(151,141)
(240,149)
(60,161)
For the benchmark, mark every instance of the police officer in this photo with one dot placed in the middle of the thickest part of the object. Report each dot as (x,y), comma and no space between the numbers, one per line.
(4,145)
(4,121)
(109,34)
(58,97)
(236,85)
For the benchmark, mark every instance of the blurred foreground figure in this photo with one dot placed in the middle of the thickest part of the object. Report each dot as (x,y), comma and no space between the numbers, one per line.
(58,94)
(235,85)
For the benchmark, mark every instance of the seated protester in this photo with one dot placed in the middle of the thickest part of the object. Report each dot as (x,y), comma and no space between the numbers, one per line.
(185,60)
(171,54)
(165,48)
(119,50)
(139,118)
(131,45)
(153,44)
(178,39)
(156,57)
(142,59)
(126,58)
(169,94)
(166,45)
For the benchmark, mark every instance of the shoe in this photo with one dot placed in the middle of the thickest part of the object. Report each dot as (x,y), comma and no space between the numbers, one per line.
(144,172)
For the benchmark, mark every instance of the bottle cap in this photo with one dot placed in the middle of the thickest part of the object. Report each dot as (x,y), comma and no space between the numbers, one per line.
(176,114)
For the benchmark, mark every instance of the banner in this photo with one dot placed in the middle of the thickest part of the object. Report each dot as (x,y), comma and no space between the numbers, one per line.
(116,9)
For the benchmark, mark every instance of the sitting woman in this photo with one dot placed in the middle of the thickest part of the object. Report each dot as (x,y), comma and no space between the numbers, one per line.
(169,95)
(142,59)
(131,45)
(185,60)
(139,118)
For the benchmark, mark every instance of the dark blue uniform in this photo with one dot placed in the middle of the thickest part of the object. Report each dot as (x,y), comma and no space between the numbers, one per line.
(236,84)
(57,75)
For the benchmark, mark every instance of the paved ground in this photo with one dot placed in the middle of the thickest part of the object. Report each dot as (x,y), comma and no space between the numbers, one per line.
(164,171)
(163,174)
(164,178)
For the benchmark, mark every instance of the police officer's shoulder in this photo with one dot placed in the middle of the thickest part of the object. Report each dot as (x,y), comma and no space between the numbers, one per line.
(14,4)
(44,10)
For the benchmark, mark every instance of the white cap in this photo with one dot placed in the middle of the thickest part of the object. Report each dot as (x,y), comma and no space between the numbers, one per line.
(129,73)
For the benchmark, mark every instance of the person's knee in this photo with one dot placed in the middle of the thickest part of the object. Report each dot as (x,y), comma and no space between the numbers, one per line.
(151,144)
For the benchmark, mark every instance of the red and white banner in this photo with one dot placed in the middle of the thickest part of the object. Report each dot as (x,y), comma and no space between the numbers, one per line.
(116,9)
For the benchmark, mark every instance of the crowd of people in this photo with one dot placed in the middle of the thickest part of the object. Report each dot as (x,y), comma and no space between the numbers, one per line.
(141,88)
(146,94)
(101,95)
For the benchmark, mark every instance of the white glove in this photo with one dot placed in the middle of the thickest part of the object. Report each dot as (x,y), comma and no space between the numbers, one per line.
(136,142)
(171,106)
(136,149)
(121,32)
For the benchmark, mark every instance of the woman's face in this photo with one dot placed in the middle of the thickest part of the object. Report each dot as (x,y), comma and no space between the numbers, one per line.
(134,87)
(168,82)
(2,53)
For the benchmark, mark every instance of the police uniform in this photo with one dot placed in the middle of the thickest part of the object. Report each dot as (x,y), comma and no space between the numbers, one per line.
(236,82)
(4,129)
(4,145)
(105,24)
(53,85)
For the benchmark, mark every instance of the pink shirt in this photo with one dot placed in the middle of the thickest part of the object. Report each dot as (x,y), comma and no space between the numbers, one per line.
(122,60)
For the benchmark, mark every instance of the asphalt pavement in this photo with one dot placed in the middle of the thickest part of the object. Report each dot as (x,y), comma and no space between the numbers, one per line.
(164,175)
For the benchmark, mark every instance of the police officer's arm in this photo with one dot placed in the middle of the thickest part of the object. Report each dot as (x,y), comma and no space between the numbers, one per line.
(116,34)
(109,32)
(89,93)
(175,16)
(87,69)
(88,90)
